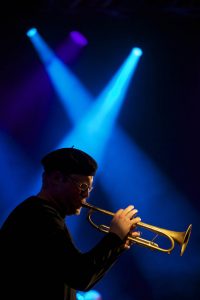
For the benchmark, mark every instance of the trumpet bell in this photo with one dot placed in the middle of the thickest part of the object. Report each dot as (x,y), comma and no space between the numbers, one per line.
(181,238)
(186,239)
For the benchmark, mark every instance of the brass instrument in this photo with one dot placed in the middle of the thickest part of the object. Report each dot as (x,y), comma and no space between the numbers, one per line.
(180,238)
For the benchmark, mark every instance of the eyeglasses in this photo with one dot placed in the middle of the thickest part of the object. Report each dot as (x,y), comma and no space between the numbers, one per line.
(82,186)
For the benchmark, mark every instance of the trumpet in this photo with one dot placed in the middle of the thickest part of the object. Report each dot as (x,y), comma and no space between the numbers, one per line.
(181,238)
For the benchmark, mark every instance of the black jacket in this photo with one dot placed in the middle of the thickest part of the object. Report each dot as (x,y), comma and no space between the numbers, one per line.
(39,260)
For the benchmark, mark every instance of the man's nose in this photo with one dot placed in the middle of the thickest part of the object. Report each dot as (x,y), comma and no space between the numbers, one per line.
(85,193)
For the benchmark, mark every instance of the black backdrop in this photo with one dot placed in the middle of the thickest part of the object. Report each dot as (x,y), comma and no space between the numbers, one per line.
(161,112)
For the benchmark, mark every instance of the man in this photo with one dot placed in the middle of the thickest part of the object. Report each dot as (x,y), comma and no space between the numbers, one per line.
(39,259)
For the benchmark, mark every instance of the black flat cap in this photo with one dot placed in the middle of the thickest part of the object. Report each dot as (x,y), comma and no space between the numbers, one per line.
(70,161)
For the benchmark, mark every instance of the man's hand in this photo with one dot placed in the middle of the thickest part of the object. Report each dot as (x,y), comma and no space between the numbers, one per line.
(124,222)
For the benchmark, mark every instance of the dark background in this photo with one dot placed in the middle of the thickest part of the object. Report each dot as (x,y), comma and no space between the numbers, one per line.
(161,111)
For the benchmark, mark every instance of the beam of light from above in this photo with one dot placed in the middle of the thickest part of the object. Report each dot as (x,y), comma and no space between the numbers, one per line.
(93,131)
(15,176)
(75,98)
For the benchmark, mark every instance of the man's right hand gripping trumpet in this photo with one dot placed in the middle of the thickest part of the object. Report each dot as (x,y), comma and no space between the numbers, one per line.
(124,223)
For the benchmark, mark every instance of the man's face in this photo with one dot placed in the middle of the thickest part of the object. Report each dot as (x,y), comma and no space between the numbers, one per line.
(73,191)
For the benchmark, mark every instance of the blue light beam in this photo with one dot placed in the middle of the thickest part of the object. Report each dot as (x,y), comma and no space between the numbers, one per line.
(93,131)
(16,176)
(74,97)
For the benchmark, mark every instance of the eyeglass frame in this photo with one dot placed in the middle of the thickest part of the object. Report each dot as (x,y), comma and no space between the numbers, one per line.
(79,184)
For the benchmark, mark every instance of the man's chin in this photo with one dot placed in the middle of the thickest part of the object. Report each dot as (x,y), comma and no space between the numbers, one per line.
(74,211)
(78,211)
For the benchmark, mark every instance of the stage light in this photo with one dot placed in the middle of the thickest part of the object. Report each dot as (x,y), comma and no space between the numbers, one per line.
(137,51)
(31,32)
(78,38)
(90,295)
